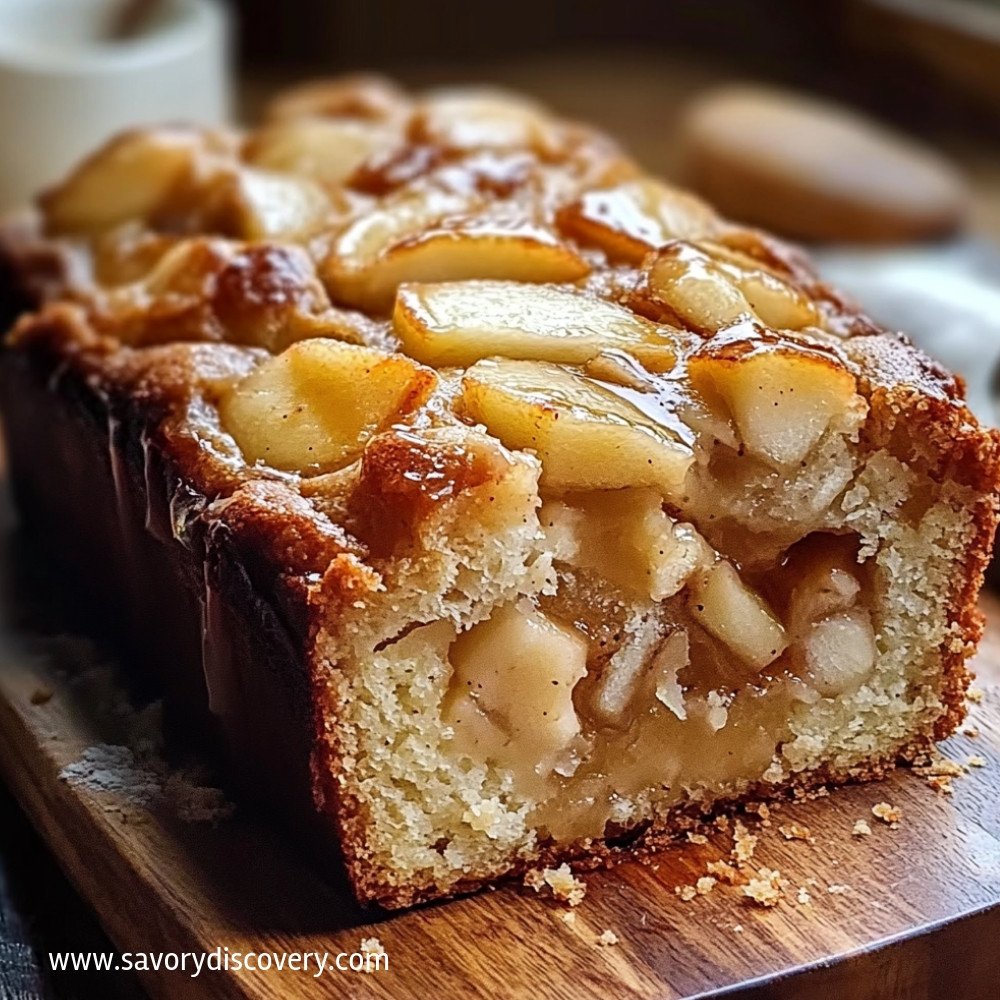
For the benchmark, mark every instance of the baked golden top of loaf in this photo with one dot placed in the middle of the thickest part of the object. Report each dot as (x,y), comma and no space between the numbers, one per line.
(462,386)
(457,256)
(461,256)
(310,224)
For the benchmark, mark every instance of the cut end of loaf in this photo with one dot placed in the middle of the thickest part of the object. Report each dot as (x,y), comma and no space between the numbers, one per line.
(554,673)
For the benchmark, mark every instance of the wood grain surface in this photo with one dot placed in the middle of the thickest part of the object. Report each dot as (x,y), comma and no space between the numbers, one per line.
(914,912)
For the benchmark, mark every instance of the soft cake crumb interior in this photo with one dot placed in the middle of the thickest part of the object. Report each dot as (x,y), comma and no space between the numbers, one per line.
(626,658)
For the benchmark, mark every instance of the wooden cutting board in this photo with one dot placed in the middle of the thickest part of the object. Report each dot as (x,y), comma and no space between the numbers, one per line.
(906,912)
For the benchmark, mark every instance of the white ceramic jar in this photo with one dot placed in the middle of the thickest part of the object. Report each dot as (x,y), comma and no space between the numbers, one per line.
(65,86)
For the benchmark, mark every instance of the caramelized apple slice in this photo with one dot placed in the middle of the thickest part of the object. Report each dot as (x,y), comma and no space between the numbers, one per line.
(684,282)
(586,436)
(723,604)
(710,290)
(128,178)
(457,323)
(778,304)
(629,220)
(781,400)
(362,242)
(511,694)
(468,119)
(313,407)
(776,301)
(405,242)
(253,204)
(324,150)
(352,271)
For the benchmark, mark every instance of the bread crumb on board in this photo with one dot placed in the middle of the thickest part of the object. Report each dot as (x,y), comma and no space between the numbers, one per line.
(140,779)
(723,872)
(705,885)
(702,887)
(765,888)
(941,767)
(975,695)
(892,815)
(794,831)
(128,769)
(560,881)
(941,783)
(941,771)
(744,844)
(861,829)
(607,939)
(372,948)
(761,810)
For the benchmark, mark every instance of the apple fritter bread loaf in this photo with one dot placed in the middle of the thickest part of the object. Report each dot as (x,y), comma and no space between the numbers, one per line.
(502,503)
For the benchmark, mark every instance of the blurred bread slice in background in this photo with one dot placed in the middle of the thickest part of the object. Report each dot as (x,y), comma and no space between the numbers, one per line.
(815,170)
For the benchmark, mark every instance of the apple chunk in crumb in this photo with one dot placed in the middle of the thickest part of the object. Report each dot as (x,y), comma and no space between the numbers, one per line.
(834,646)
(627,538)
(511,693)
(460,322)
(725,606)
(585,435)
(313,407)
(782,400)
(838,653)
